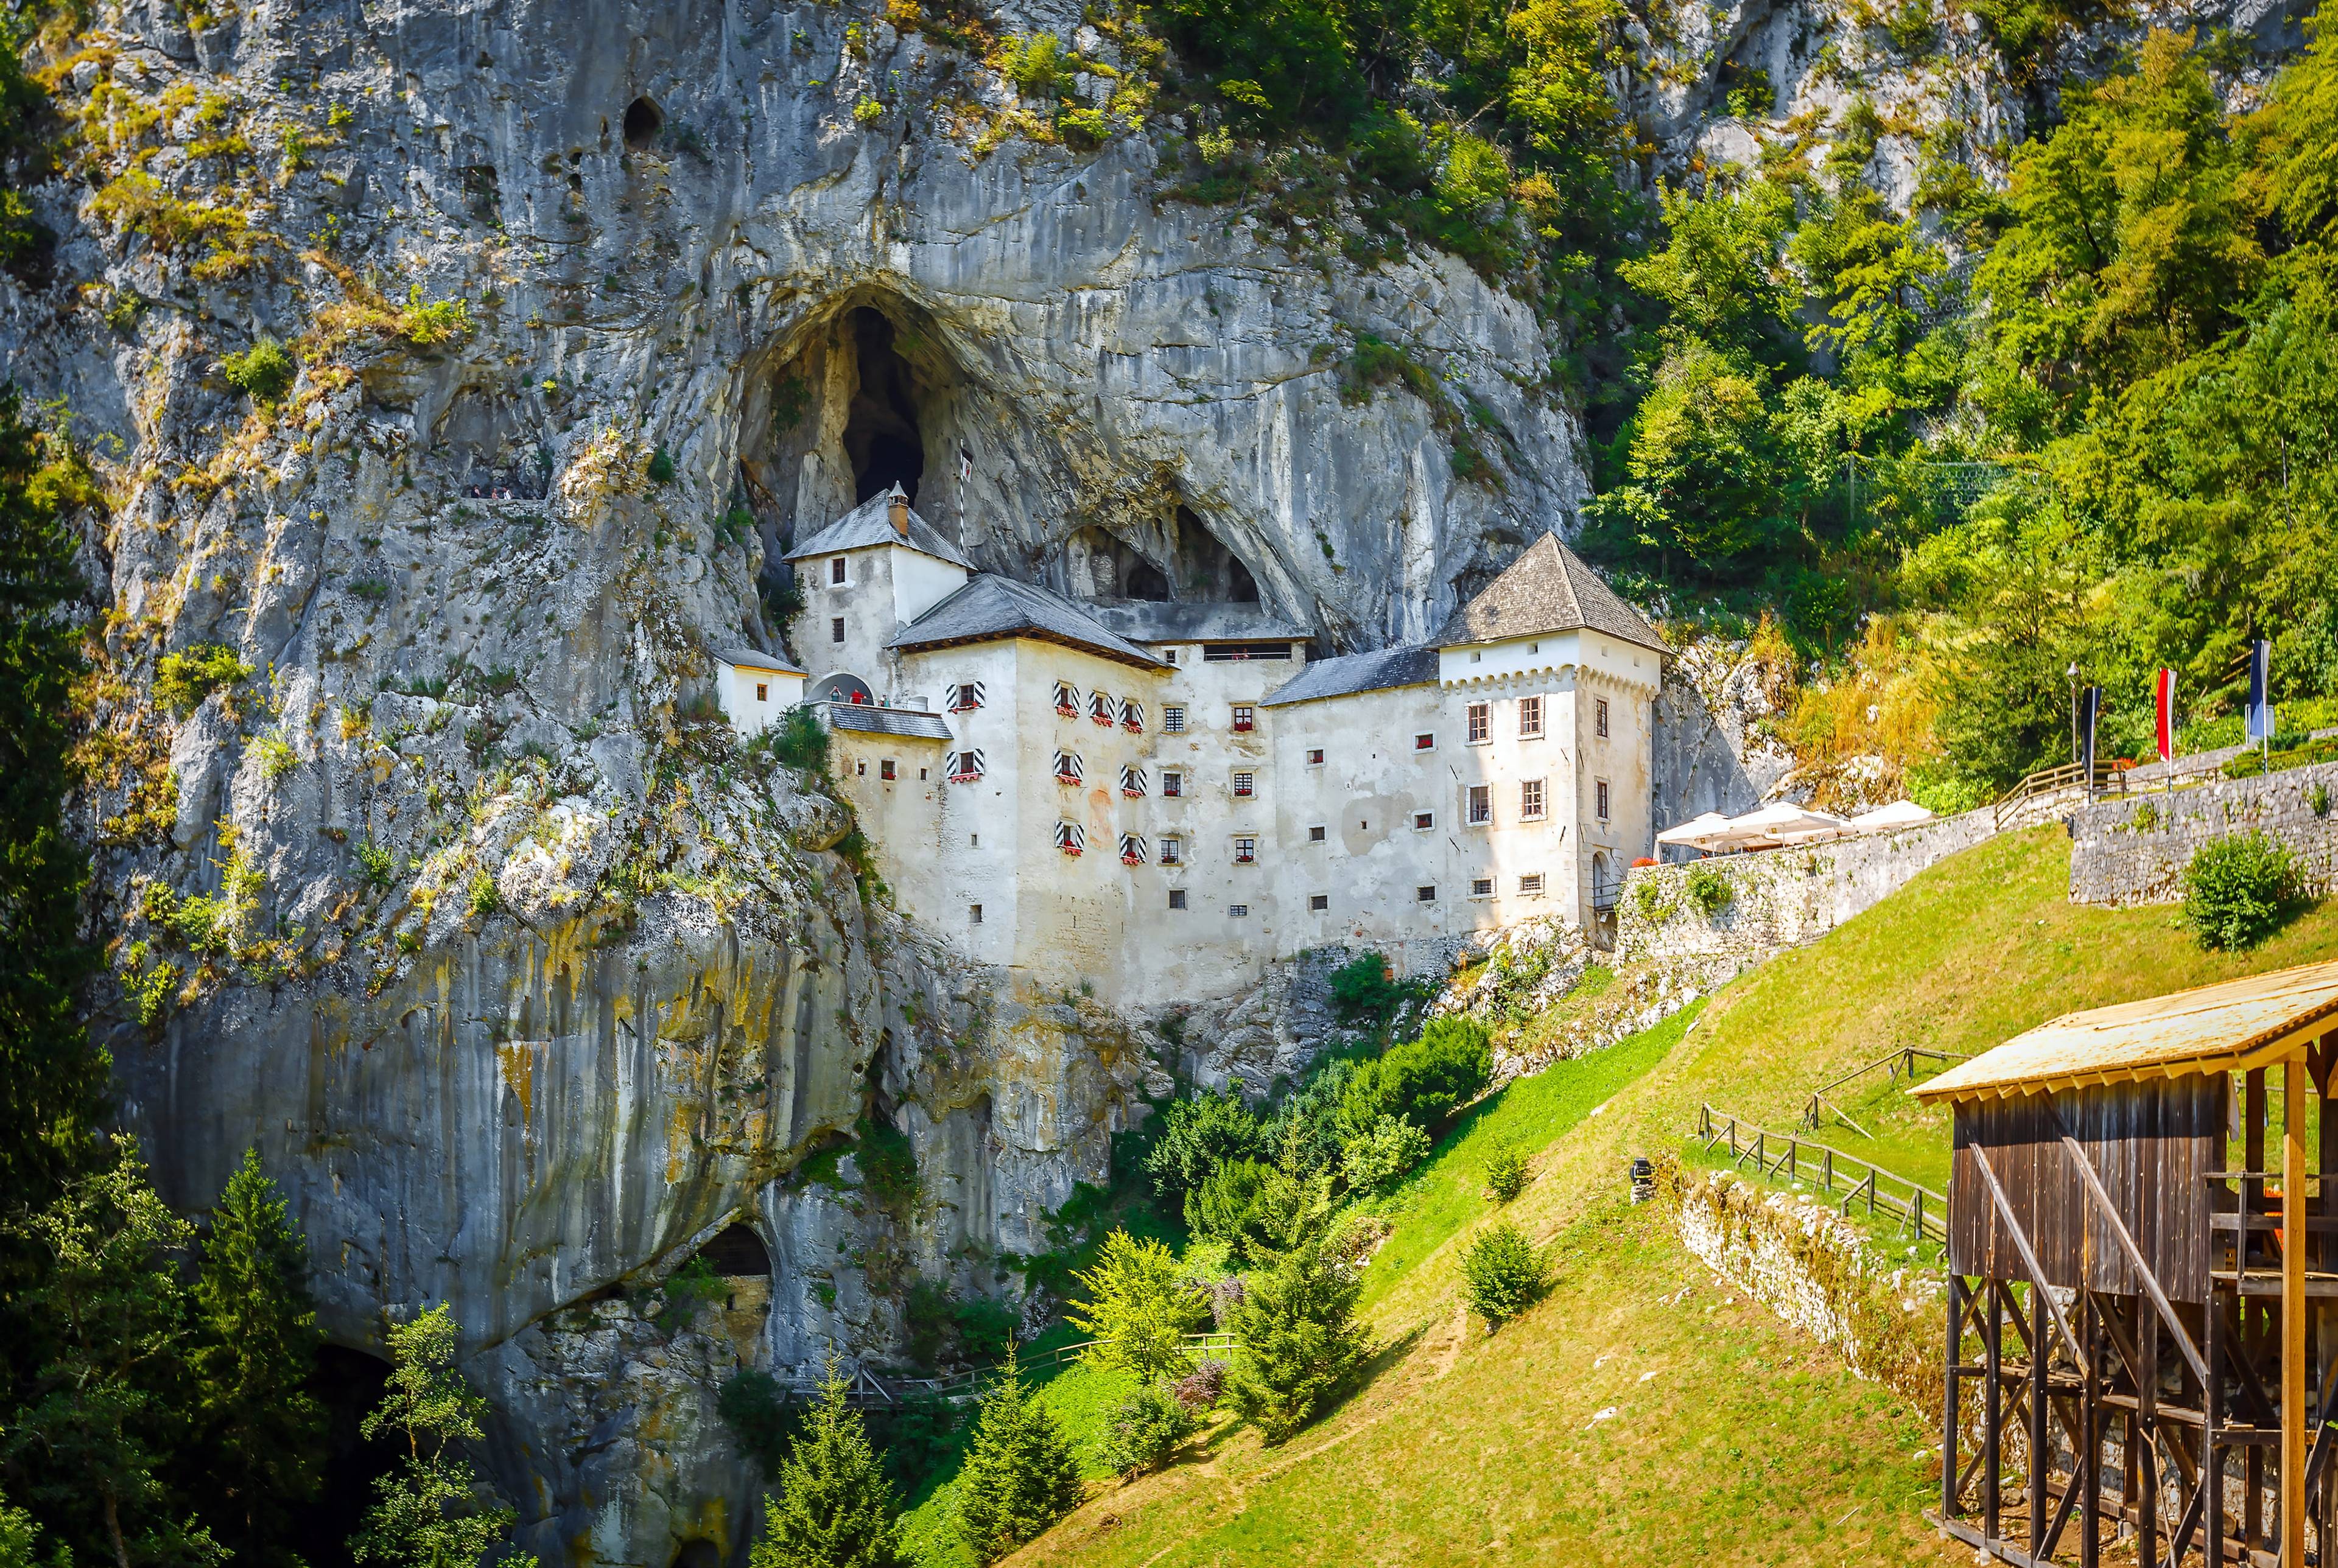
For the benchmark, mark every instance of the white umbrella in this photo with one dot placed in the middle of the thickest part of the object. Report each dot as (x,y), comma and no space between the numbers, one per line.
(1783,823)
(1884,819)
(1693,832)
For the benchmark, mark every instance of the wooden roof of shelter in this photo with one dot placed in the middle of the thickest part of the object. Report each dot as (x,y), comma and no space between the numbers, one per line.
(2236,1025)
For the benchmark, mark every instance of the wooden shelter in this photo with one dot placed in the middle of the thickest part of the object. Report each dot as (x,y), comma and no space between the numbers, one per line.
(2157,1322)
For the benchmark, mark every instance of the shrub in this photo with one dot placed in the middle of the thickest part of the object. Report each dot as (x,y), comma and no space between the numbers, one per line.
(1227,1206)
(1299,1341)
(1203,1386)
(888,1161)
(2237,890)
(799,739)
(1139,1307)
(1648,894)
(1707,891)
(661,467)
(1200,1134)
(1146,1431)
(1423,1079)
(1020,1474)
(1377,1159)
(868,111)
(276,758)
(688,1288)
(1363,991)
(1504,1273)
(423,324)
(183,679)
(985,1329)
(264,370)
(484,899)
(760,1417)
(375,864)
(1506,1174)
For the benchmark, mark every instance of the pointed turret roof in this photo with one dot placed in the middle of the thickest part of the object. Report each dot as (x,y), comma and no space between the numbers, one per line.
(870,523)
(1547,589)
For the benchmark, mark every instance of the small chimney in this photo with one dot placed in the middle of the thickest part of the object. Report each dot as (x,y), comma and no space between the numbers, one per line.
(898,509)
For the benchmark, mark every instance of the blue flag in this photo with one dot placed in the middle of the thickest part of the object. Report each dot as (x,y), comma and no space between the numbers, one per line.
(2260,709)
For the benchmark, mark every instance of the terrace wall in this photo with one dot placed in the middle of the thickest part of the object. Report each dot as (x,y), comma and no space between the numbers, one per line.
(2132,849)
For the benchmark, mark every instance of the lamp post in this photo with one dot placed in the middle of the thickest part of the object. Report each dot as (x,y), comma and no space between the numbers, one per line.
(2073,674)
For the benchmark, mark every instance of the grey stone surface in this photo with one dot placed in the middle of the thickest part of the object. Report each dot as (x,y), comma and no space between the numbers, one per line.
(2133,848)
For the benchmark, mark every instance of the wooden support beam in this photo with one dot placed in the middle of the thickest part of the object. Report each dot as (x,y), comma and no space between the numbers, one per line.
(2021,1238)
(1950,1507)
(2101,1199)
(2293,1314)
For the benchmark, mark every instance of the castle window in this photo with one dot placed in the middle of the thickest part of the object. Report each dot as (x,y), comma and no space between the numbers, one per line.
(1132,716)
(1237,652)
(860,770)
(1599,795)
(1172,784)
(1132,783)
(1245,717)
(974,914)
(1245,850)
(1314,756)
(1176,897)
(1425,895)
(1481,805)
(1530,885)
(1530,801)
(1069,839)
(966,697)
(1529,718)
(965,767)
(1067,767)
(1132,849)
(1424,742)
(1246,784)
(1101,710)
(1173,851)
(921,775)
(836,629)
(1481,886)
(836,570)
(1319,902)
(1599,715)
(1481,724)
(763,691)
(1239,911)
(1068,700)
(1423,820)
(885,770)
(1315,833)
(1173,720)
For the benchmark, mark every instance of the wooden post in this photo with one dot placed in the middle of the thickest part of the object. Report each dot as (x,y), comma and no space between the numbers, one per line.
(1993,1411)
(2212,1405)
(2293,1313)
(2041,1446)
(2142,1431)
(1956,1294)
(1826,1169)
(2087,1472)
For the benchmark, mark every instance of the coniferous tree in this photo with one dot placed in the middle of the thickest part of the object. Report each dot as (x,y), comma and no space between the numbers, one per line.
(836,1508)
(1020,1474)
(262,1427)
(52,1080)
(1300,1340)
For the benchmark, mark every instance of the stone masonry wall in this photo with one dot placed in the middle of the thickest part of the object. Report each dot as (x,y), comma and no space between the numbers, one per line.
(1780,897)
(2132,849)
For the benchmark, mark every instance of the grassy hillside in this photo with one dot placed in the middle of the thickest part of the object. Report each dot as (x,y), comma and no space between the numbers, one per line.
(1733,1439)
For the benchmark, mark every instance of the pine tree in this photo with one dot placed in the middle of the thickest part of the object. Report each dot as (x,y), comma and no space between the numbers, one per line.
(836,1508)
(52,1080)
(1020,1474)
(1299,1339)
(429,1406)
(259,1335)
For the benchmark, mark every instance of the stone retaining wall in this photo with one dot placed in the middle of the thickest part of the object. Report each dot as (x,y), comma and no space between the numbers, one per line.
(2133,848)
(1780,897)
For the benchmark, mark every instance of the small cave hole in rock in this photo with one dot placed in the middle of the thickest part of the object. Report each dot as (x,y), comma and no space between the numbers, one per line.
(737,1251)
(349,1383)
(698,1555)
(644,121)
(1174,557)
(880,428)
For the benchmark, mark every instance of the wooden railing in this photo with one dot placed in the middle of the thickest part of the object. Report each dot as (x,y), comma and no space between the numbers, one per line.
(866,1387)
(1922,1213)
(2105,779)
(1904,1058)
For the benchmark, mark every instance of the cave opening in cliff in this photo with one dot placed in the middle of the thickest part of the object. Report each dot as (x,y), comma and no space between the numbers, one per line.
(881,438)
(698,1555)
(737,1251)
(350,1384)
(1178,556)
(644,121)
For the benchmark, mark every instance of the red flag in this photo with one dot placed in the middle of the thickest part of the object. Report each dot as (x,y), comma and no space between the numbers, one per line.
(2167,715)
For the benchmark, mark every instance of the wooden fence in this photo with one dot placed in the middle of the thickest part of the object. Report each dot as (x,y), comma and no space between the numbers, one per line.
(1922,1213)
(867,1388)
(1901,1060)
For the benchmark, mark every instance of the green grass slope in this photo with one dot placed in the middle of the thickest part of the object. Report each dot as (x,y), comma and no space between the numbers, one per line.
(1732,1439)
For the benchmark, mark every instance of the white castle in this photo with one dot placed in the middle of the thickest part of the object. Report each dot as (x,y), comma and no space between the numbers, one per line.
(1157,799)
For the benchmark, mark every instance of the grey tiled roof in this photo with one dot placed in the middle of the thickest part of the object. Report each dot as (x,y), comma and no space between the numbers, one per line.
(754,661)
(1353,672)
(989,607)
(1159,621)
(866,524)
(913,723)
(1546,589)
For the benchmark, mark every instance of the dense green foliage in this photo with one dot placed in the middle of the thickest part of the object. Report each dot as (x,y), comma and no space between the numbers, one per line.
(423,1515)
(1299,1341)
(1139,1305)
(1504,1273)
(1147,1430)
(1020,1474)
(1198,1136)
(836,1506)
(1507,1173)
(1424,1079)
(2238,889)
(264,370)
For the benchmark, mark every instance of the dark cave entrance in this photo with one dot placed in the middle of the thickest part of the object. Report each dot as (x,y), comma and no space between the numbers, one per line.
(698,1555)
(350,1384)
(881,438)
(1174,557)
(644,121)
(736,1251)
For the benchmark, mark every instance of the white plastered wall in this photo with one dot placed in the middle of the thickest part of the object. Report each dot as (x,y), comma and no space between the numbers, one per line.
(751,714)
